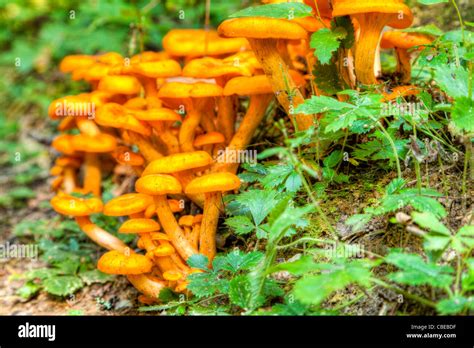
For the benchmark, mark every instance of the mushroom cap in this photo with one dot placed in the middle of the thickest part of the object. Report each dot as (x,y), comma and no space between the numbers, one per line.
(75,61)
(111,58)
(75,206)
(120,84)
(159,236)
(71,105)
(248,85)
(401,91)
(400,39)
(99,143)
(158,184)
(139,226)
(175,205)
(68,161)
(186,220)
(209,67)
(208,139)
(116,262)
(189,90)
(324,7)
(178,162)
(312,24)
(117,116)
(198,218)
(262,28)
(137,103)
(125,155)
(159,68)
(63,143)
(165,249)
(127,204)
(394,7)
(93,72)
(158,114)
(148,56)
(172,275)
(199,42)
(214,182)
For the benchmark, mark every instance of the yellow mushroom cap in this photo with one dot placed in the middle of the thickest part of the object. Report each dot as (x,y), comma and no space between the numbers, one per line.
(199,42)
(125,155)
(139,226)
(400,39)
(158,184)
(178,162)
(209,67)
(402,17)
(172,275)
(97,144)
(120,84)
(127,204)
(248,85)
(118,116)
(214,182)
(186,220)
(156,69)
(148,56)
(262,28)
(116,262)
(159,236)
(189,90)
(157,114)
(164,250)
(208,139)
(76,61)
(75,206)
(63,143)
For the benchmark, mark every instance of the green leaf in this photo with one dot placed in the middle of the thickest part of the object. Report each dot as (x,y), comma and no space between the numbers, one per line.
(240,224)
(464,239)
(454,305)
(301,266)
(28,290)
(415,271)
(205,284)
(258,202)
(431,2)
(326,42)
(395,185)
(314,289)
(358,221)
(333,159)
(462,114)
(95,276)
(429,221)
(62,285)
(239,291)
(320,104)
(288,10)
(453,80)
(429,29)
(198,261)
(237,260)
(326,77)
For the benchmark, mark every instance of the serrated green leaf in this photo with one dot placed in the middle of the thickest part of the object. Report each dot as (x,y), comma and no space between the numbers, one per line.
(240,224)
(453,80)
(454,305)
(198,261)
(320,104)
(95,276)
(326,42)
(429,221)
(415,271)
(62,285)
(462,114)
(431,2)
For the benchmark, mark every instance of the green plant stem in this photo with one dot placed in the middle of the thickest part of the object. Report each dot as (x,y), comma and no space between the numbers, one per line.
(392,144)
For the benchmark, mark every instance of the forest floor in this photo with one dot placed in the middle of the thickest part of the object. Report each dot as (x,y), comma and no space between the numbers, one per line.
(118,297)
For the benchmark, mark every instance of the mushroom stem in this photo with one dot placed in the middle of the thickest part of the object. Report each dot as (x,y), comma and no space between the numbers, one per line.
(146,148)
(403,64)
(241,139)
(282,83)
(69,181)
(100,236)
(371,26)
(172,229)
(207,238)
(92,175)
(146,285)
(226,117)
(194,235)
(164,263)
(188,128)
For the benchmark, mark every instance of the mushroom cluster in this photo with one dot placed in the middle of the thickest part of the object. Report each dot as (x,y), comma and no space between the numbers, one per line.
(163,118)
